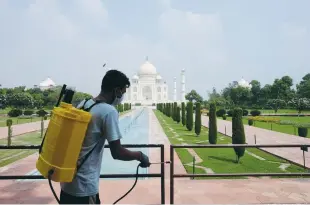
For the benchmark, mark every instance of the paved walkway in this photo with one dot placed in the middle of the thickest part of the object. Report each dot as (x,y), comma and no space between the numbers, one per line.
(264,136)
(148,191)
(22,128)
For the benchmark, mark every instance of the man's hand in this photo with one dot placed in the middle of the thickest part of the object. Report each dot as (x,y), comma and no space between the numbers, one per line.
(144,161)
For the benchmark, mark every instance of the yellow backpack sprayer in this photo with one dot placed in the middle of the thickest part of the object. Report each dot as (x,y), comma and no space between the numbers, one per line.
(63,139)
(62,142)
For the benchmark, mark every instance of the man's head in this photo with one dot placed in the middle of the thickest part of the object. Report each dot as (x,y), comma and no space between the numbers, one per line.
(114,85)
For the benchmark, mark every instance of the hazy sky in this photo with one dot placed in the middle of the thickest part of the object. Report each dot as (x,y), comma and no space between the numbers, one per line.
(215,41)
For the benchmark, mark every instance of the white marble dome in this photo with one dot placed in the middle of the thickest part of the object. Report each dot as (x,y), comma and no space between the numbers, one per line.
(158,77)
(147,69)
(135,77)
(244,83)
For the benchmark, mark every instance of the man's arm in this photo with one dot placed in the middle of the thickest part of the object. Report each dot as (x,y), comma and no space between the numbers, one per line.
(113,134)
(121,153)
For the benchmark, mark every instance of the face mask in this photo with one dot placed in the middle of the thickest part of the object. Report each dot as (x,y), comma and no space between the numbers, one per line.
(118,100)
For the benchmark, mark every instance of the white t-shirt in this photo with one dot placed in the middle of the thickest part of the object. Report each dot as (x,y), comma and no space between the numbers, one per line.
(103,126)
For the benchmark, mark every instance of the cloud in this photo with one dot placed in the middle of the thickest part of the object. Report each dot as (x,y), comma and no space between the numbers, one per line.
(70,40)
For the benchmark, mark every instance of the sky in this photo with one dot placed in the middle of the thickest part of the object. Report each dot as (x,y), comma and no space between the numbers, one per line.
(216,41)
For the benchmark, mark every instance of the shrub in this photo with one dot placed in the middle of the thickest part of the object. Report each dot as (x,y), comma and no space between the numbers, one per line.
(221,112)
(189,116)
(212,124)
(41,113)
(265,119)
(9,122)
(15,112)
(302,131)
(178,115)
(238,135)
(287,122)
(255,113)
(183,114)
(198,119)
(250,122)
(28,112)
(224,117)
(230,113)
(245,112)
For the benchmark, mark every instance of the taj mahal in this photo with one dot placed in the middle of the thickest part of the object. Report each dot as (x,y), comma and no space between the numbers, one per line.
(149,88)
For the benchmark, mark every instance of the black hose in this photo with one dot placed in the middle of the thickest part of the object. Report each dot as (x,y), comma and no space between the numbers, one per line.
(51,186)
(131,187)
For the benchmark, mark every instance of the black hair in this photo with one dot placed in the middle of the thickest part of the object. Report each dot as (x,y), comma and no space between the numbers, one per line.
(114,79)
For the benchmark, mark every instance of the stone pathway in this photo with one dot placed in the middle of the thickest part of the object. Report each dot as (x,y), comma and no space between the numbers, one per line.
(264,136)
(22,128)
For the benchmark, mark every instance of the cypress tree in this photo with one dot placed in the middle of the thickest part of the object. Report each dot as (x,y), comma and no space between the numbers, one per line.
(178,115)
(189,116)
(164,108)
(198,119)
(238,135)
(183,114)
(175,111)
(212,124)
(168,110)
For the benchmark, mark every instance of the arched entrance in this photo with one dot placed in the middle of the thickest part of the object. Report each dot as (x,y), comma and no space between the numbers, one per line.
(147,93)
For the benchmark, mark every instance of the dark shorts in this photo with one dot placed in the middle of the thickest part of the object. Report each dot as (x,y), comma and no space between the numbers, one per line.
(69,199)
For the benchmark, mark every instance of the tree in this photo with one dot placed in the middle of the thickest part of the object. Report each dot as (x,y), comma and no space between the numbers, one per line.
(303,88)
(183,114)
(255,90)
(21,100)
(212,124)
(300,104)
(198,119)
(193,96)
(175,111)
(189,116)
(275,104)
(240,95)
(79,96)
(265,95)
(178,115)
(238,135)
(281,88)
(2,101)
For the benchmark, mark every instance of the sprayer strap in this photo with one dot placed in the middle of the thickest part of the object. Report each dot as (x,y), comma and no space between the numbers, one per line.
(88,154)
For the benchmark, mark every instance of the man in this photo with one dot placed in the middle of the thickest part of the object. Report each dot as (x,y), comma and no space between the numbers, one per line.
(84,189)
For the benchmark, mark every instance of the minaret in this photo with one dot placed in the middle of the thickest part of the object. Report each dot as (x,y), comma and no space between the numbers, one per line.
(183,85)
(175,89)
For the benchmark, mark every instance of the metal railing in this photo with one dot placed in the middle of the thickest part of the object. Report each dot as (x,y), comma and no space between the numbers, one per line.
(304,147)
(160,175)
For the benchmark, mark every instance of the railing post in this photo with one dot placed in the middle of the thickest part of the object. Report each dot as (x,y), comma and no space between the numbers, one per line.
(303,154)
(255,138)
(194,160)
(162,159)
(225,130)
(171,174)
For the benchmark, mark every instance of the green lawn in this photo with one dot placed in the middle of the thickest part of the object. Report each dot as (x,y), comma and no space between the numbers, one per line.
(9,156)
(288,129)
(221,160)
